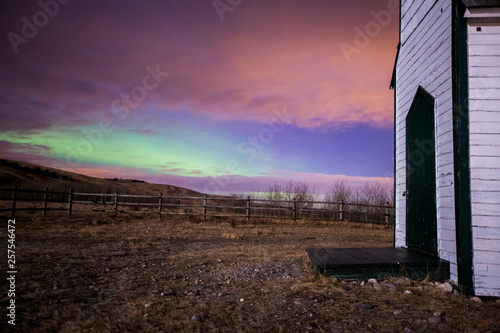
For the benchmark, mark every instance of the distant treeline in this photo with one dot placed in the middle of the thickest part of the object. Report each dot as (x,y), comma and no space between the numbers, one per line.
(129,180)
(339,191)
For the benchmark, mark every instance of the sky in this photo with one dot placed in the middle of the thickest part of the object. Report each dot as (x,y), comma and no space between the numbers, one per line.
(216,96)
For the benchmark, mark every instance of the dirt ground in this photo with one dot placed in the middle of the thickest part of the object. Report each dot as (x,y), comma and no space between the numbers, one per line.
(129,274)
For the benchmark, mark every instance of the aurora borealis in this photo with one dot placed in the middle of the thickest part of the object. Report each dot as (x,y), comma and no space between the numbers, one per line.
(216,96)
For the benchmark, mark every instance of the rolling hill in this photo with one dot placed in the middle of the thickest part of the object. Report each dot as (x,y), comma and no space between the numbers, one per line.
(32,176)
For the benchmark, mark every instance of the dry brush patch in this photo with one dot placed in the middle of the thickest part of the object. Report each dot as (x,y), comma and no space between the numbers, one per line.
(137,274)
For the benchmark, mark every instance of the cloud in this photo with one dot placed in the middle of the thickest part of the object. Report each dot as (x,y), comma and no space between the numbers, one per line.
(224,76)
(264,55)
(318,183)
(223,185)
(16,150)
(174,174)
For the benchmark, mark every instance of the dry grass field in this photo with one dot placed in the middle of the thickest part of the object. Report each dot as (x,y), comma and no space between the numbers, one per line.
(92,273)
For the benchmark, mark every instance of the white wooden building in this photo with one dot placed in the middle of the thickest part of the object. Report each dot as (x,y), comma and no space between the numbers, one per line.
(447,132)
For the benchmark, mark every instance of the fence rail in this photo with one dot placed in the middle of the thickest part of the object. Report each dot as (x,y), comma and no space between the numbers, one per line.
(204,206)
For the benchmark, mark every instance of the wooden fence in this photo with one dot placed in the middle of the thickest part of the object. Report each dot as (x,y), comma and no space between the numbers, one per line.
(203,206)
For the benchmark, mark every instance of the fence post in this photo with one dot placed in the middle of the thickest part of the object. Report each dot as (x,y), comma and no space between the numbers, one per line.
(341,210)
(387,213)
(205,201)
(70,201)
(248,209)
(45,198)
(160,201)
(115,204)
(294,209)
(14,199)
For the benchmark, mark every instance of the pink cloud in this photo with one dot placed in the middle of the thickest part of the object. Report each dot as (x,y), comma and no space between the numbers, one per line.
(260,57)
(233,183)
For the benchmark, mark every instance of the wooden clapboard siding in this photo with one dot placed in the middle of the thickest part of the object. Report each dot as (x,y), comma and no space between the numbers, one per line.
(487,71)
(425,60)
(483,197)
(484,139)
(492,116)
(484,127)
(412,13)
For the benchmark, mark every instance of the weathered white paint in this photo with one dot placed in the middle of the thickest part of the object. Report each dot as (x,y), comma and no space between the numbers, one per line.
(425,60)
(484,131)
(482,12)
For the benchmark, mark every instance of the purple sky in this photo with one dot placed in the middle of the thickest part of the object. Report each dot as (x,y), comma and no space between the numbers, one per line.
(217,96)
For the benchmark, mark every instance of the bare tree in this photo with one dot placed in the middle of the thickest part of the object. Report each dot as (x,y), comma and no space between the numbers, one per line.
(339,191)
(304,194)
(275,192)
(373,194)
(288,190)
(299,191)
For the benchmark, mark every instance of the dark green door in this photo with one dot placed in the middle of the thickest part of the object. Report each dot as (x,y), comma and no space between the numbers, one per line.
(421,224)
